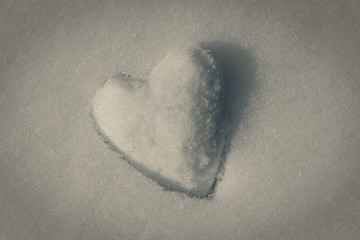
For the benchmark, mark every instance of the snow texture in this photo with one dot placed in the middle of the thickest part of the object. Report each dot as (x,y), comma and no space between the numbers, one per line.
(291,70)
(177,136)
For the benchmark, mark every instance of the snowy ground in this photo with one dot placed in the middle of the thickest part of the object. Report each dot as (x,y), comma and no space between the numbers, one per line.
(293,167)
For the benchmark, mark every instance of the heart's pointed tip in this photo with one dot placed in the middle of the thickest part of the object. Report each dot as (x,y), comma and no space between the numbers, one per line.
(200,191)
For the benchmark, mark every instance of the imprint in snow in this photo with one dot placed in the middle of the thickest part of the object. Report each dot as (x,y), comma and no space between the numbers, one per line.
(171,127)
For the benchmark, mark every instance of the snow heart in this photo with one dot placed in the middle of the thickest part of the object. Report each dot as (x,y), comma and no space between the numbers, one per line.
(171,127)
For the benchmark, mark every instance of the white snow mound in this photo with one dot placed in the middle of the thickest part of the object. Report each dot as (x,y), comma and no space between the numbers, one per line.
(171,127)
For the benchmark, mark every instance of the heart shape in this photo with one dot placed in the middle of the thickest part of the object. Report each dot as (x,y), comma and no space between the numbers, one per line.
(172,126)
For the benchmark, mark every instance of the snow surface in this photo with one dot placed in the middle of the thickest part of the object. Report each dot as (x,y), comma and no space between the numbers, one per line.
(176,137)
(292,169)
